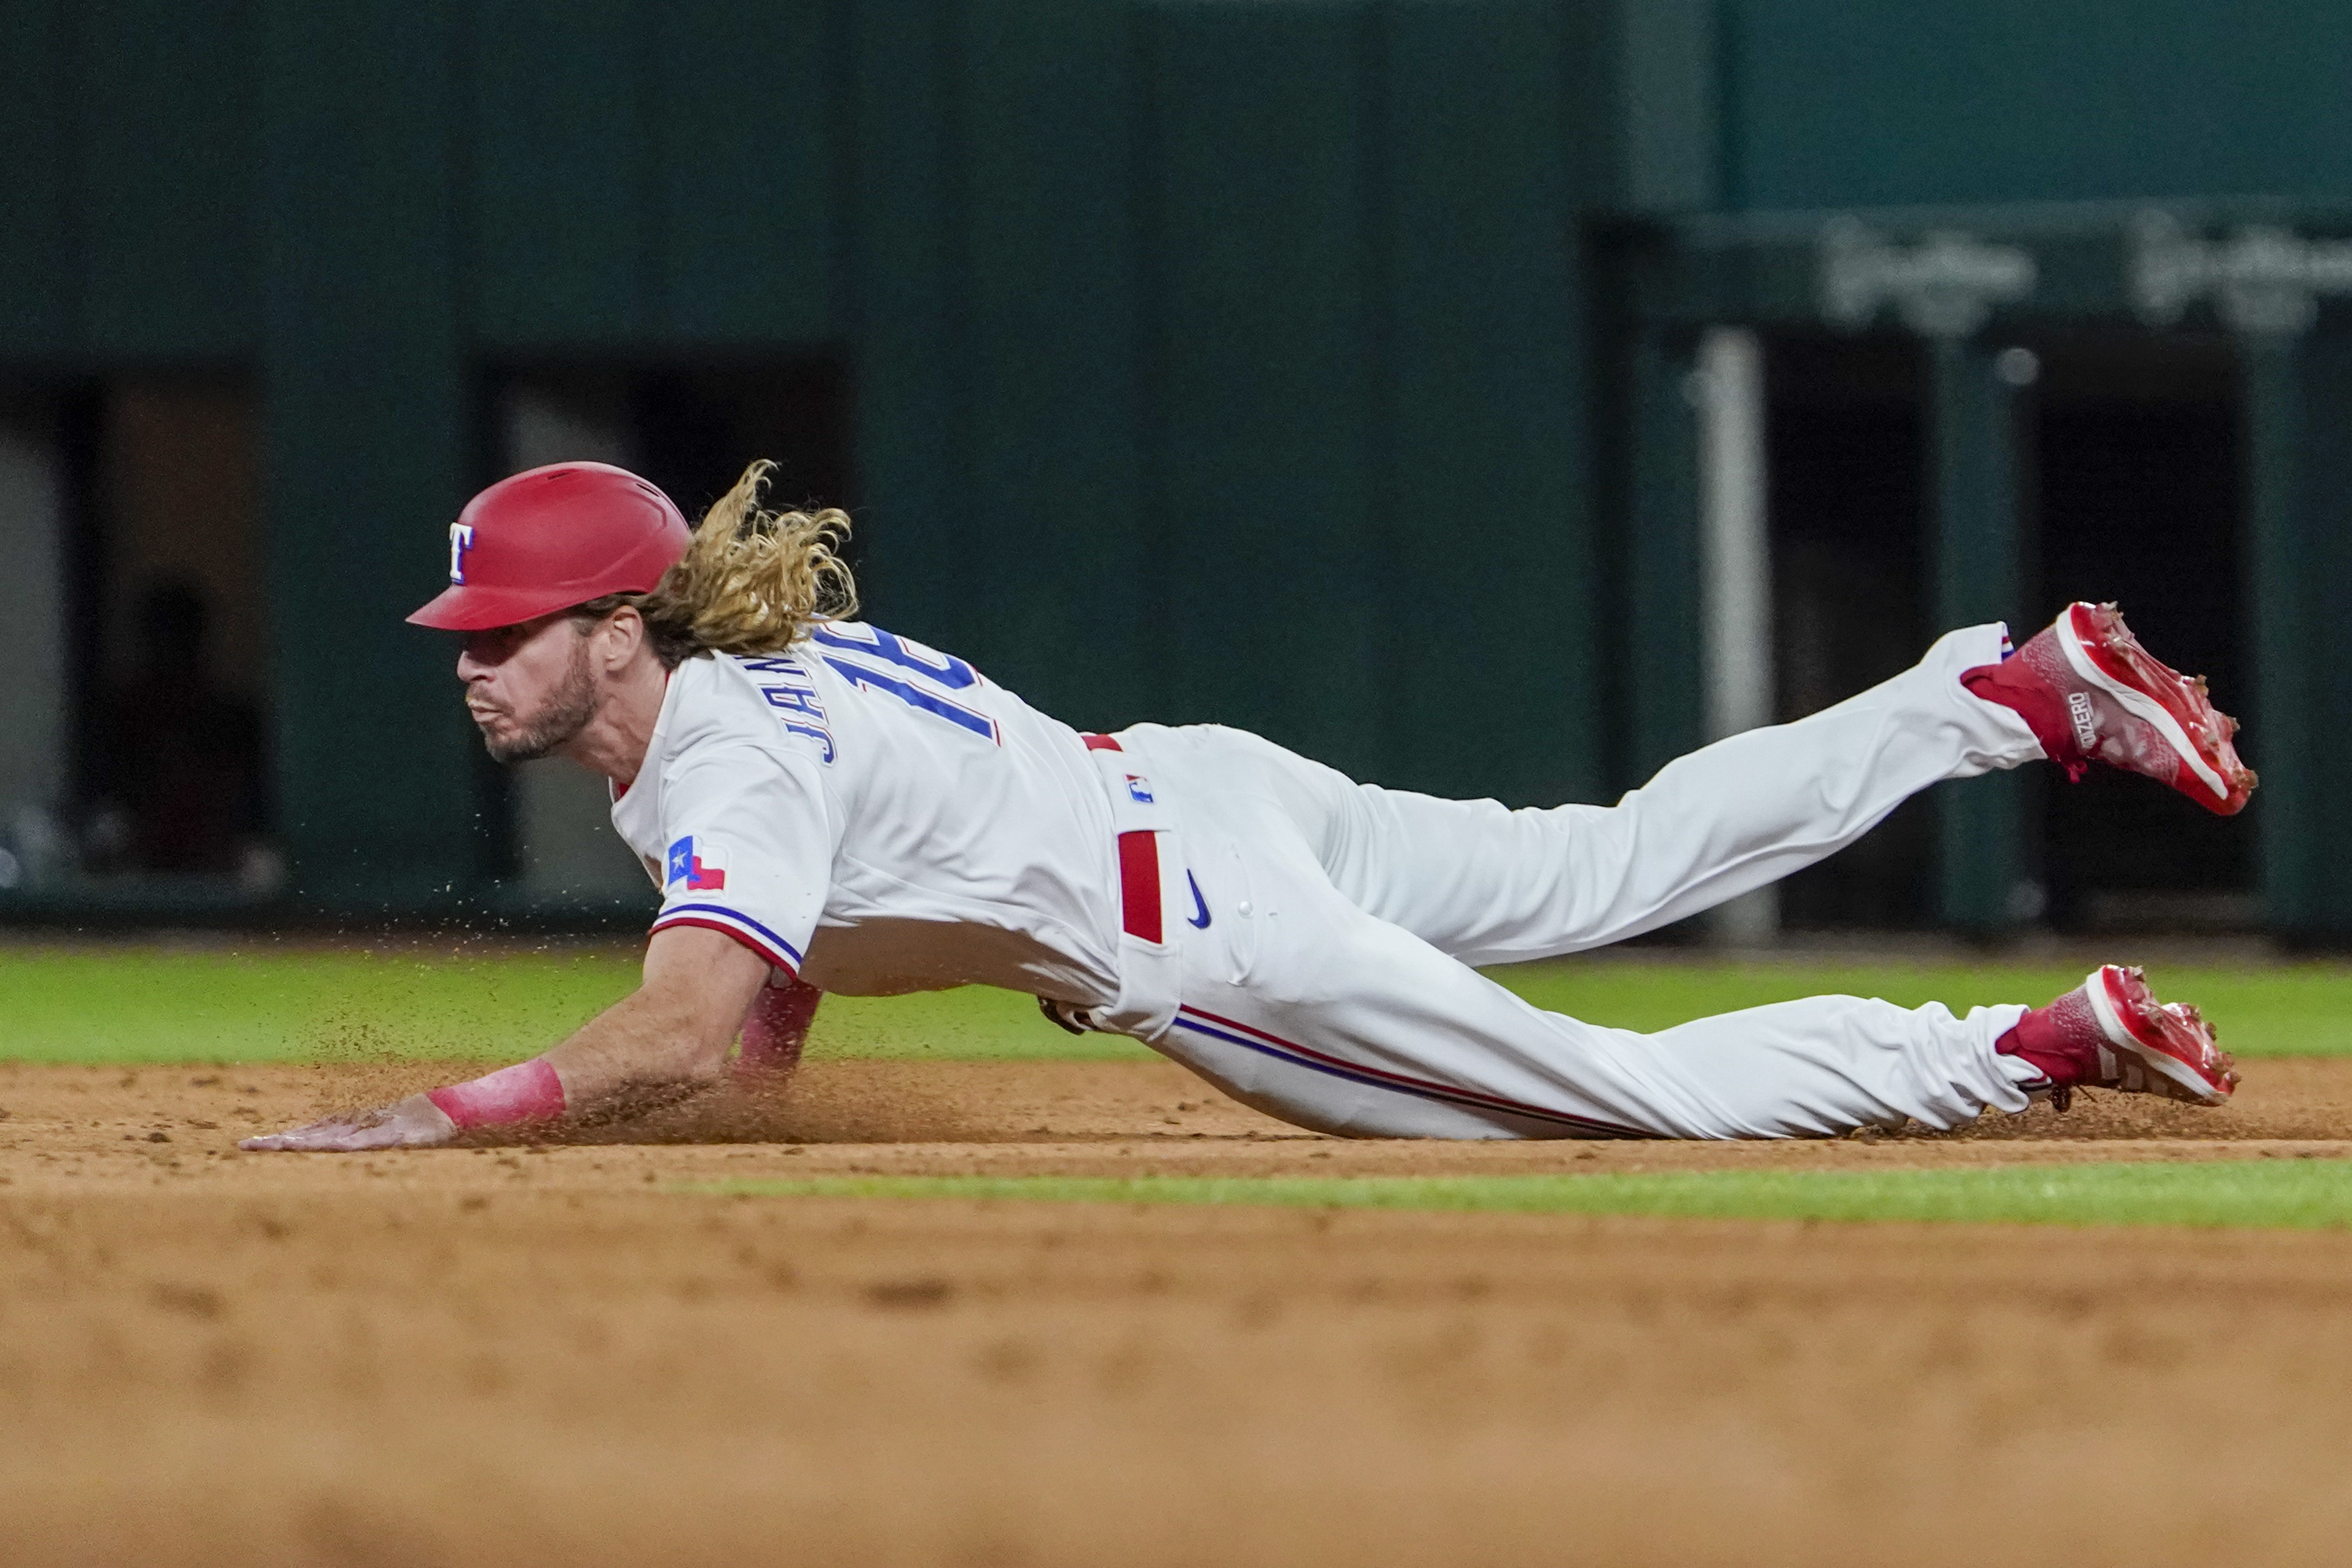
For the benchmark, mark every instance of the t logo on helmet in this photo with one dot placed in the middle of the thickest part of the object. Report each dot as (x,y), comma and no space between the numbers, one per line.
(461,540)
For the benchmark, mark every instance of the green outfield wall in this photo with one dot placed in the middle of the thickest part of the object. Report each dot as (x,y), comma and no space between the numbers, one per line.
(1227,361)
(1830,103)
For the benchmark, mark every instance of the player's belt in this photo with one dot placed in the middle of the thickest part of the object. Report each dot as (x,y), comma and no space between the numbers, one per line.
(1138,849)
(1150,863)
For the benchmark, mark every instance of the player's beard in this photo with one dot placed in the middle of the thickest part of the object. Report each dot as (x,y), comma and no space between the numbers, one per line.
(565,713)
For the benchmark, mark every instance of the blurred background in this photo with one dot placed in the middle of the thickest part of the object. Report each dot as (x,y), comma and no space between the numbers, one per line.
(1485,396)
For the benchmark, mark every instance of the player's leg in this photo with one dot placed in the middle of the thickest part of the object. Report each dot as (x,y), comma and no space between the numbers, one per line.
(1491,885)
(1295,1001)
(1425,1047)
(1322,1015)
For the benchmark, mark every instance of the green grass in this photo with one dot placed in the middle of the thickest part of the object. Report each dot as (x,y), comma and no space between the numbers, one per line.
(143,1004)
(2259,1193)
(136,1003)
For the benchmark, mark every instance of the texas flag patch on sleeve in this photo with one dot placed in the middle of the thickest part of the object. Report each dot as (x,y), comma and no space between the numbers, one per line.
(698,863)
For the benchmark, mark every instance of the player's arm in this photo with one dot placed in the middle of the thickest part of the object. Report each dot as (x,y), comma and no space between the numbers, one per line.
(777,1027)
(672,1033)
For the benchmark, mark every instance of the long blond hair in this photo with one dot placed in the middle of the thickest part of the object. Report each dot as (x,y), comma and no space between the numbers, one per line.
(751,580)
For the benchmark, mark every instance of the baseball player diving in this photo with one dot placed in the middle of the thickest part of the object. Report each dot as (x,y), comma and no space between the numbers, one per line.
(827,806)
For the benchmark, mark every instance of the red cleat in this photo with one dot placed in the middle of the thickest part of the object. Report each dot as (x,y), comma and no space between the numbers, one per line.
(2091,694)
(2111,1032)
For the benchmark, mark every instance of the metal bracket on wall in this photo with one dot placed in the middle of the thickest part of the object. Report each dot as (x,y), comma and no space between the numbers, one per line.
(2264,279)
(1944,286)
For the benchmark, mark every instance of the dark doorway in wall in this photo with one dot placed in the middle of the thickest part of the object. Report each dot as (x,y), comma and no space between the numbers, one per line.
(2135,448)
(148,487)
(1845,466)
(42,431)
(2130,490)
(690,428)
(700,427)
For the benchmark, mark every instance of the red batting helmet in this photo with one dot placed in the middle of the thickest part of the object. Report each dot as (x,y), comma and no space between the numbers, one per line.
(551,538)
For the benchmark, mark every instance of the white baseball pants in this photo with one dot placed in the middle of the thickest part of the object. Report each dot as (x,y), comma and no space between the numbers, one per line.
(1330,985)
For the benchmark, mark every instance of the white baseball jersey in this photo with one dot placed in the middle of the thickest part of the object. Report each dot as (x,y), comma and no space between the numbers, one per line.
(877,817)
(874,816)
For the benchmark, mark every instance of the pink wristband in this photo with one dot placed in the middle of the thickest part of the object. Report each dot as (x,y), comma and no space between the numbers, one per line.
(526,1091)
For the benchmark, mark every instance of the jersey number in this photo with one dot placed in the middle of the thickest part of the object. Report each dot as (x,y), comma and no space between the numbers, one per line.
(928,676)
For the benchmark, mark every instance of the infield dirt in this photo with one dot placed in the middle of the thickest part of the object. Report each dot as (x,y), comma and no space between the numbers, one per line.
(557,1355)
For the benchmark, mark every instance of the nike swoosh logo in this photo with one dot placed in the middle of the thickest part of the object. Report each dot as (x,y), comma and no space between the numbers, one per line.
(1199,918)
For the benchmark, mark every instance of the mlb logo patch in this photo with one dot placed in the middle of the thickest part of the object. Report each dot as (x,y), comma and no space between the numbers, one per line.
(700,864)
(1138,789)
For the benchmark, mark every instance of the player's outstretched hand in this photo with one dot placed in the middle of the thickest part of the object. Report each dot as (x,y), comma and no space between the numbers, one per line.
(414,1123)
